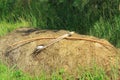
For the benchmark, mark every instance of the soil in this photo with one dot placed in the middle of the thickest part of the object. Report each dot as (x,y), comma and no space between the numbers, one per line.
(66,54)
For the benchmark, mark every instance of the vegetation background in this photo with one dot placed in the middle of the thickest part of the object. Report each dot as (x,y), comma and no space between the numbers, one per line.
(100,18)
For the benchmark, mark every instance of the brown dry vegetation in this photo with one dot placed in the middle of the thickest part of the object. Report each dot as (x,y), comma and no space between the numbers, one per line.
(65,54)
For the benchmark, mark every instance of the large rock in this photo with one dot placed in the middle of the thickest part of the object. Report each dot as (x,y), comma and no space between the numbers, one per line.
(66,54)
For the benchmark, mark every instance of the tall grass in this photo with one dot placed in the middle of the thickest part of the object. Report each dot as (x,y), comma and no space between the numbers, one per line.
(109,30)
(6,27)
(96,73)
(81,16)
(11,74)
(97,18)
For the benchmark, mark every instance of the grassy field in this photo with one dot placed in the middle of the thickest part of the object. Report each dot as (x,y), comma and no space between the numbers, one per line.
(107,30)
(98,18)
(91,17)
(6,27)
(96,74)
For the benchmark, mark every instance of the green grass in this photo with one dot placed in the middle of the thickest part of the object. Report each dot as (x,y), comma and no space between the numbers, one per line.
(11,74)
(80,16)
(109,30)
(96,73)
(98,18)
(100,29)
(6,27)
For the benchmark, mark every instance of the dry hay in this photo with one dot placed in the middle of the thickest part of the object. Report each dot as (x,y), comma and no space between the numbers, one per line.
(66,54)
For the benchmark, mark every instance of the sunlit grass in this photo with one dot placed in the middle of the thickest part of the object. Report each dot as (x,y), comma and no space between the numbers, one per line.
(94,73)
(101,29)
(11,74)
(107,30)
(6,27)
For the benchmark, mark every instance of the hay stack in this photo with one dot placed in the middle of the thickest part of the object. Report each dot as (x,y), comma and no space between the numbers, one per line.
(66,54)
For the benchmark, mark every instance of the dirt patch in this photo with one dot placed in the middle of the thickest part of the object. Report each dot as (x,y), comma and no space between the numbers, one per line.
(68,54)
